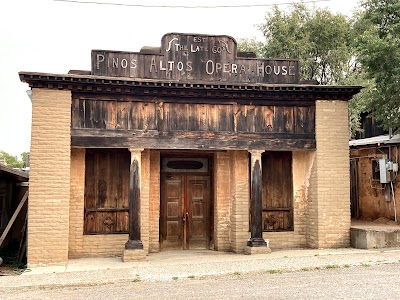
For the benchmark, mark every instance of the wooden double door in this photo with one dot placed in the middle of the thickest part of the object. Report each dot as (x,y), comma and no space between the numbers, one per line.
(185,211)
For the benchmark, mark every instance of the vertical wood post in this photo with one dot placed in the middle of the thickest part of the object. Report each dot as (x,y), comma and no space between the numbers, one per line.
(134,241)
(256,238)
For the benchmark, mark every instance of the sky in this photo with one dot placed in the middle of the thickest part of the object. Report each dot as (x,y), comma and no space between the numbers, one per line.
(53,36)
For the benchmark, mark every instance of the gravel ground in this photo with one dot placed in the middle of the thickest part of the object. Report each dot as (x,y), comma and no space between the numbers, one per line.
(357,282)
(169,266)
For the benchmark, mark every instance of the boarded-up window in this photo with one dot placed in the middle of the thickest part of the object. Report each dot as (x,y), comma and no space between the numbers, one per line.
(107,191)
(277,191)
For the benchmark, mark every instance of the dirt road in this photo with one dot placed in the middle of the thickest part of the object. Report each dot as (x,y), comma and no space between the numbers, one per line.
(361,282)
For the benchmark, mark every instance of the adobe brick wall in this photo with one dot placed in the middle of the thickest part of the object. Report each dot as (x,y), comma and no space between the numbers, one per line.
(222,205)
(240,197)
(101,245)
(329,207)
(301,166)
(49,178)
(145,199)
(80,245)
(76,205)
(154,205)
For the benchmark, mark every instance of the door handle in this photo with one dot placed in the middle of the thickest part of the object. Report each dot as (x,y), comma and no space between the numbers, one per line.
(185,218)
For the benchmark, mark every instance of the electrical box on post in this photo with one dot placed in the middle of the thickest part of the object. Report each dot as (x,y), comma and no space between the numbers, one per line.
(385,166)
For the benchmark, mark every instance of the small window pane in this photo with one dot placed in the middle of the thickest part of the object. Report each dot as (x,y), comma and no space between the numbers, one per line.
(184,165)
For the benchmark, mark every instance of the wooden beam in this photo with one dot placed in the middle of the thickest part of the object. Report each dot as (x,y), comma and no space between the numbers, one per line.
(14,216)
(134,241)
(256,238)
(95,138)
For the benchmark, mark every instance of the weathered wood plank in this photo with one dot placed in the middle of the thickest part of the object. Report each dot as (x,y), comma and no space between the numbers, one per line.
(188,57)
(90,189)
(191,140)
(196,100)
(194,117)
(187,134)
(75,114)
(256,227)
(134,241)
(14,216)
(278,191)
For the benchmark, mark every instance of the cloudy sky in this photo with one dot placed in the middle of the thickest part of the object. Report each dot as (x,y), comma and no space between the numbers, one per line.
(55,36)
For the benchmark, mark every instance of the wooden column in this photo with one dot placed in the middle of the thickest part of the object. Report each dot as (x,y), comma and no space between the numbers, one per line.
(256,238)
(134,241)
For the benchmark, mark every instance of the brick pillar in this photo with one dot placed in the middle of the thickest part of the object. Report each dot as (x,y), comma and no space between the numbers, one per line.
(222,223)
(240,196)
(77,203)
(145,200)
(329,208)
(49,178)
(154,202)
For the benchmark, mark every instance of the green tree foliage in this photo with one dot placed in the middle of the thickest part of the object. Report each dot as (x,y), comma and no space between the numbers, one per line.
(25,158)
(13,161)
(378,50)
(251,45)
(317,37)
(323,43)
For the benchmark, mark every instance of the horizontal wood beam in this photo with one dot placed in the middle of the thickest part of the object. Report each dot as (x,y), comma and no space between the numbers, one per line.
(98,138)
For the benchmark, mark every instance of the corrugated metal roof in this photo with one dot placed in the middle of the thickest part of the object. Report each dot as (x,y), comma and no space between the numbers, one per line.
(376,140)
(14,172)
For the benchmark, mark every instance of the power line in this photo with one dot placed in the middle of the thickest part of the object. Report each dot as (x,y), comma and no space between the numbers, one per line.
(186,6)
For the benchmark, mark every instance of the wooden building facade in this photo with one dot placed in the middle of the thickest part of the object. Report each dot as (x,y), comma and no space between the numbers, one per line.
(190,145)
(13,198)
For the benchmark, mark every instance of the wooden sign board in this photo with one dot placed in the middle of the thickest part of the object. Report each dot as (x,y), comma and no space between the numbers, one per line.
(194,57)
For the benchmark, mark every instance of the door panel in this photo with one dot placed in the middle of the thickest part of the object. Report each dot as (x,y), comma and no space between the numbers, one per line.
(185,215)
(198,209)
(172,207)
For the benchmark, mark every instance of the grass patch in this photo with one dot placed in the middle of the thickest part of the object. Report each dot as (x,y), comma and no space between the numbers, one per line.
(365,265)
(191,277)
(331,267)
(236,273)
(274,271)
(306,269)
(175,278)
(316,254)
(346,266)
(136,280)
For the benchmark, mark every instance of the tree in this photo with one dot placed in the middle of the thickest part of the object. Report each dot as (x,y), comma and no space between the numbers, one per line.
(13,161)
(251,45)
(317,37)
(25,158)
(378,51)
(323,43)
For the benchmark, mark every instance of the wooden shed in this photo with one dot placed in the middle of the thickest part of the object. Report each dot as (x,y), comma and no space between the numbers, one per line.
(13,208)
(185,146)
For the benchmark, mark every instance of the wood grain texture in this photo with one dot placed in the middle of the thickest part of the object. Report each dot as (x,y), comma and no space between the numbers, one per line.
(277,198)
(106,191)
(120,123)
(194,57)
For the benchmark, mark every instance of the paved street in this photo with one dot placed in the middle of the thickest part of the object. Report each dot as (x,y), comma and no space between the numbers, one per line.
(331,282)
